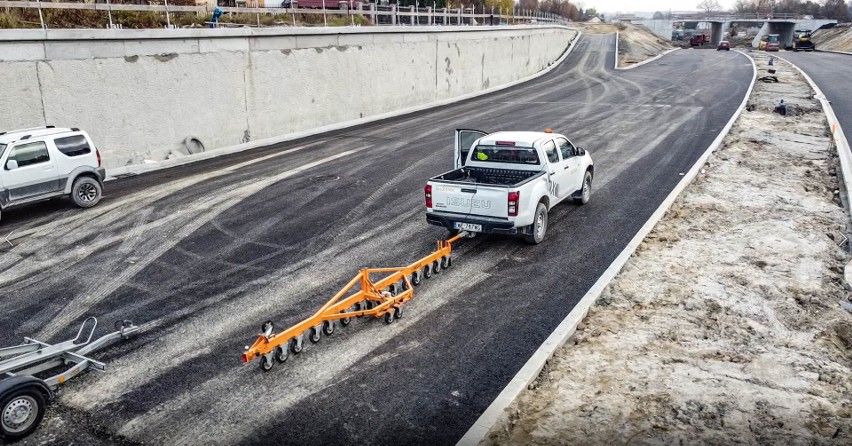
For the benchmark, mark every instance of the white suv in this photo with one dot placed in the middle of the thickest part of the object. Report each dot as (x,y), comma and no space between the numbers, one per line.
(48,162)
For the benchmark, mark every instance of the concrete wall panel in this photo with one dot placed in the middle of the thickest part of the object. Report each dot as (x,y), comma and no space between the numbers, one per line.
(140,97)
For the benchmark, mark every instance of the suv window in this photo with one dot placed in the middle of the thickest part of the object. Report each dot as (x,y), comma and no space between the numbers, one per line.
(550,151)
(566,148)
(73,145)
(29,154)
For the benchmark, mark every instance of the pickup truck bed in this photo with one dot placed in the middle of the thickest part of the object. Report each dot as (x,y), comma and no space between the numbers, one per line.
(491,177)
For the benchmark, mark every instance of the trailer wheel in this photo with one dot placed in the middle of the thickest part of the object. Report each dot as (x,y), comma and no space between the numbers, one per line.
(295,346)
(416,278)
(281,353)
(266,363)
(398,313)
(314,335)
(347,320)
(392,289)
(328,327)
(389,317)
(21,412)
(427,271)
(446,262)
(436,267)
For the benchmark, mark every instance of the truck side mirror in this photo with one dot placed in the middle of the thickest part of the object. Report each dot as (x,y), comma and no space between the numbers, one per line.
(11,165)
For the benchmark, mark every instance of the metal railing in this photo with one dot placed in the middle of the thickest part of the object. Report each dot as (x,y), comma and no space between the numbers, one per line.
(376,14)
(735,16)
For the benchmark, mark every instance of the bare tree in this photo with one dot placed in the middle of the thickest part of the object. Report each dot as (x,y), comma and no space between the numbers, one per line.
(709,6)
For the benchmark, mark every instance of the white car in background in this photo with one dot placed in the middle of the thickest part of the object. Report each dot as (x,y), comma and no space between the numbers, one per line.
(48,162)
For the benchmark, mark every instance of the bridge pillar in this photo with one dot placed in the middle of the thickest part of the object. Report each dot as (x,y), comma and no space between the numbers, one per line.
(716,32)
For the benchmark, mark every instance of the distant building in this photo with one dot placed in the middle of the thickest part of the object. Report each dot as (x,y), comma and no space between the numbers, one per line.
(595,20)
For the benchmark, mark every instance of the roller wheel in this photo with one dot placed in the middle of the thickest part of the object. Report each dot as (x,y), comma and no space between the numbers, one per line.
(446,262)
(21,412)
(314,335)
(281,353)
(436,267)
(392,289)
(389,317)
(398,313)
(427,271)
(345,321)
(328,327)
(416,278)
(295,346)
(360,306)
(266,363)
(368,305)
(404,285)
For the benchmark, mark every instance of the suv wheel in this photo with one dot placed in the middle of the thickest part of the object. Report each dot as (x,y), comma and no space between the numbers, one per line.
(86,192)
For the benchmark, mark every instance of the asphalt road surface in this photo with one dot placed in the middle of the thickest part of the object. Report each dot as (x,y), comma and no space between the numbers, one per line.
(201,255)
(833,74)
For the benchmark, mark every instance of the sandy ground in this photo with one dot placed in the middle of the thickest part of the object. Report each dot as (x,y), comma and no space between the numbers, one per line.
(637,43)
(835,39)
(726,326)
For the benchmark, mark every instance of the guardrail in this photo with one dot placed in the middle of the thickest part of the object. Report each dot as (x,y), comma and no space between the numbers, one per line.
(377,14)
(736,16)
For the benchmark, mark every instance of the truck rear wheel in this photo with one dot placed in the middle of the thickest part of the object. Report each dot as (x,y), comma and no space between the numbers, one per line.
(539,226)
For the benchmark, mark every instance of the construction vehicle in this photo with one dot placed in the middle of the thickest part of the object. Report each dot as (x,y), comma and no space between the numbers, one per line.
(24,396)
(802,40)
(770,42)
(365,295)
(699,40)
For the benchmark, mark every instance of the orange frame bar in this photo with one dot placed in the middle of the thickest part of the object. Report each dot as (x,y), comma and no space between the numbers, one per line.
(336,308)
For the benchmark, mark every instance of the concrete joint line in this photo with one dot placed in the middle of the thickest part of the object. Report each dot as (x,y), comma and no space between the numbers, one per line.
(144,168)
(533,367)
(640,63)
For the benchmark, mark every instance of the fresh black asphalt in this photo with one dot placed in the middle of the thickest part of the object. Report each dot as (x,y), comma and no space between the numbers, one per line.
(832,72)
(201,258)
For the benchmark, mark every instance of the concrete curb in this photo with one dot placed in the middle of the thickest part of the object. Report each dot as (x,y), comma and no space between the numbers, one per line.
(843,150)
(832,51)
(616,67)
(530,371)
(150,167)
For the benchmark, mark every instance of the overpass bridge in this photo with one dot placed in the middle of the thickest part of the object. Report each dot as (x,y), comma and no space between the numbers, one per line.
(782,24)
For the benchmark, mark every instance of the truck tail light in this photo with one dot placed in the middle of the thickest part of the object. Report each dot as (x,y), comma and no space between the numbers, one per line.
(98,153)
(514,200)
(428,191)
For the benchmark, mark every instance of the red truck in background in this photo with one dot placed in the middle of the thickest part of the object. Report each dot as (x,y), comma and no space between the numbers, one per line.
(699,40)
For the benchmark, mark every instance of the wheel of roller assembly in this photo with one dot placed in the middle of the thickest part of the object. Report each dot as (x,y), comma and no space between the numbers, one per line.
(369,304)
(427,271)
(416,278)
(347,320)
(358,307)
(281,353)
(392,289)
(389,317)
(446,262)
(436,267)
(295,346)
(404,285)
(328,327)
(265,363)
(314,335)
(398,312)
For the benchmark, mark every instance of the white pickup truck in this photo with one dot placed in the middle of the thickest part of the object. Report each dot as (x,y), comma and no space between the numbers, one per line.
(506,182)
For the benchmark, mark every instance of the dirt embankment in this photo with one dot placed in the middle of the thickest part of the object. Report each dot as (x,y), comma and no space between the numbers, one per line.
(726,325)
(637,44)
(834,39)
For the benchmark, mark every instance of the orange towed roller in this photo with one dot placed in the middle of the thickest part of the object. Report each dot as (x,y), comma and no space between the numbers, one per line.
(377,292)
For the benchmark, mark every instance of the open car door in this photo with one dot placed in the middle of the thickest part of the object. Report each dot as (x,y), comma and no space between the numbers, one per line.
(464,141)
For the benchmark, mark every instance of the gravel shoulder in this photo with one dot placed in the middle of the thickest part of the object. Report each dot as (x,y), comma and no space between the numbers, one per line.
(637,44)
(726,326)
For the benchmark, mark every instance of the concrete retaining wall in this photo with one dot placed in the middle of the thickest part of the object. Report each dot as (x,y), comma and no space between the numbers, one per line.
(142,93)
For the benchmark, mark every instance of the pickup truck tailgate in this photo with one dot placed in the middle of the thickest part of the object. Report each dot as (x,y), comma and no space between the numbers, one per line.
(473,200)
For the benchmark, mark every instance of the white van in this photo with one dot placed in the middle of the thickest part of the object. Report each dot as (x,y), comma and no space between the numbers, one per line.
(48,162)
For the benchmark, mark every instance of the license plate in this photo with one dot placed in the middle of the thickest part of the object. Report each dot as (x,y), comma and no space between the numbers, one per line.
(469,227)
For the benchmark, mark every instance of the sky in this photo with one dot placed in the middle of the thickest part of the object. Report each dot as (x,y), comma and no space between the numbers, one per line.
(646,5)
